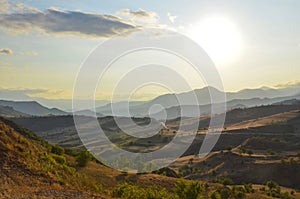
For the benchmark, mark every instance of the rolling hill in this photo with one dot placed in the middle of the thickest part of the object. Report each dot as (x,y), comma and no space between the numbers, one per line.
(32,108)
(32,168)
(6,111)
(244,98)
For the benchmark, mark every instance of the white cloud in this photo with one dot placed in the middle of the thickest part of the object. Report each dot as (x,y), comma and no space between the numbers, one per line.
(6,51)
(23,8)
(140,16)
(19,93)
(288,84)
(9,51)
(172,18)
(29,53)
(4,7)
(33,94)
(59,22)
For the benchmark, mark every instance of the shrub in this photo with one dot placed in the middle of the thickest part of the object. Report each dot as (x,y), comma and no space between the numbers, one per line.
(272,185)
(248,188)
(57,150)
(273,189)
(225,193)
(129,191)
(70,152)
(227,181)
(215,195)
(83,158)
(59,159)
(238,192)
(187,190)
(22,140)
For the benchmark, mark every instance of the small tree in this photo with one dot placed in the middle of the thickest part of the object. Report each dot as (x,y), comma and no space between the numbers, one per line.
(83,158)
(187,190)
(57,150)
(248,188)
(215,195)
(227,181)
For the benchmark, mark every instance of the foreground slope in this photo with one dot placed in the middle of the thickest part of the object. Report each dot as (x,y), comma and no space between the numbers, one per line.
(28,168)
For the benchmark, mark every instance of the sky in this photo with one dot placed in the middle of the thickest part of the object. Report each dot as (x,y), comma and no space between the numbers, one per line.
(253,43)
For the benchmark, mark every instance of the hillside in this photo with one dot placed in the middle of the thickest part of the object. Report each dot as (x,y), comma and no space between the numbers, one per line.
(243,98)
(6,111)
(31,108)
(28,168)
(32,168)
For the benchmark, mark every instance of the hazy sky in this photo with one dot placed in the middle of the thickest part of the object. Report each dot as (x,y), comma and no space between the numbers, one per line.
(42,43)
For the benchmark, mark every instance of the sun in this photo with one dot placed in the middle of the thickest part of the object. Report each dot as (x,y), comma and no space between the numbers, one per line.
(219,37)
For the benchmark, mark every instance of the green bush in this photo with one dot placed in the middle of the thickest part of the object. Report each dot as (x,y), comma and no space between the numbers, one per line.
(225,193)
(226,181)
(70,152)
(215,195)
(238,192)
(188,190)
(274,190)
(129,191)
(57,150)
(83,158)
(59,159)
(248,188)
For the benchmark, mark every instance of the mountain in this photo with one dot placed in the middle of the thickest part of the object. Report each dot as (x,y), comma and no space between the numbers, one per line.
(6,111)
(197,98)
(32,108)
(141,109)
(266,92)
(288,102)
(205,110)
(87,112)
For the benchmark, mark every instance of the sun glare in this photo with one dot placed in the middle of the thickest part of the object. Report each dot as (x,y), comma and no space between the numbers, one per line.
(219,37)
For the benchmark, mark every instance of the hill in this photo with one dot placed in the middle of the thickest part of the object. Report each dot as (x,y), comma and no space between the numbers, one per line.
(198,99)
(32,168)
(32,108)
(6,111)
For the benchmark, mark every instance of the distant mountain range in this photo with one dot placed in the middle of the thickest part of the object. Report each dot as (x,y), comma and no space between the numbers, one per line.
(6,111)
(189,101)
(31,108)
(243,98)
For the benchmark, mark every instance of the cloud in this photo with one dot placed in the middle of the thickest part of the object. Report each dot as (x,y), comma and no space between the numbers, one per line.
(140,16)
(29,53)
(23,8)
(294,83)
(6,51)
(19,93)
(4,7)
(33,94)
(171,17)
(59,22)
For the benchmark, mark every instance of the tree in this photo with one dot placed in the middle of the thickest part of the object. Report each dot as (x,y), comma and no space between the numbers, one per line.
(215,195)
(248,188)
(57,150)
(271,184)
(227,181)
(188,190)
(83,158)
